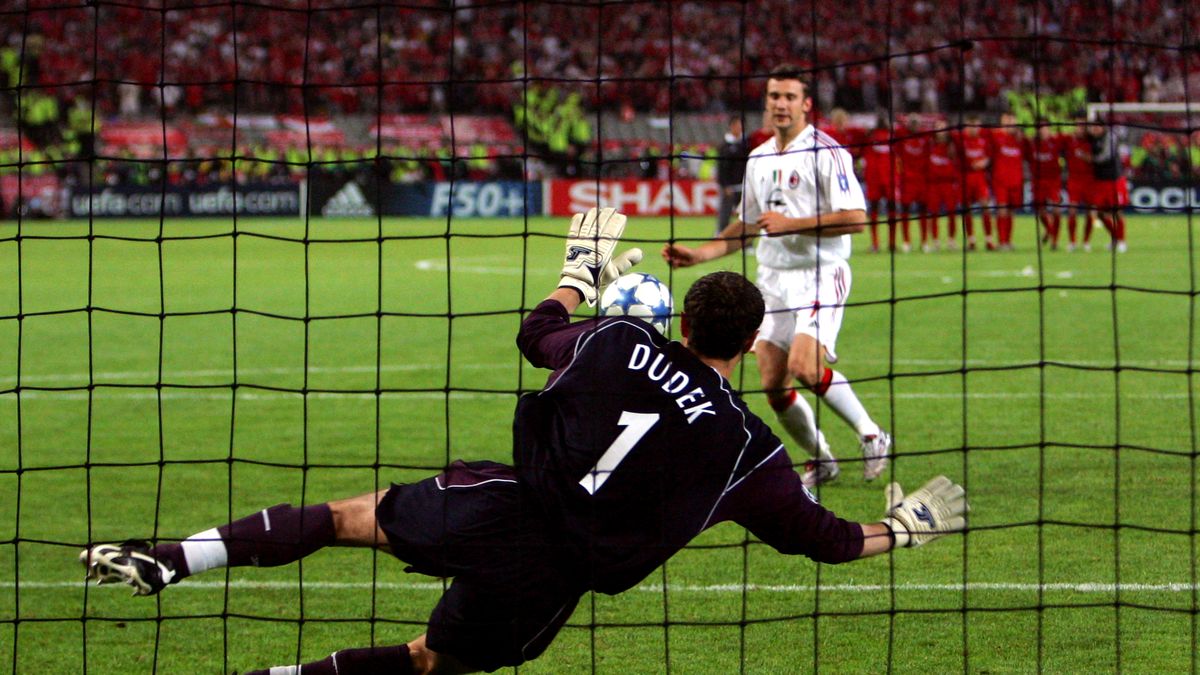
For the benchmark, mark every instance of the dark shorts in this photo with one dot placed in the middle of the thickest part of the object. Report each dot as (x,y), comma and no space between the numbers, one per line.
(513,586)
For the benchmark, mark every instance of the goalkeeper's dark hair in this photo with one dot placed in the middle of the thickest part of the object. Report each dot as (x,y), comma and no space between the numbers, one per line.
(723,310)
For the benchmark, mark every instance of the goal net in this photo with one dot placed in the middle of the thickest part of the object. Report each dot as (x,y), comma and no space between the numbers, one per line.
(255,253)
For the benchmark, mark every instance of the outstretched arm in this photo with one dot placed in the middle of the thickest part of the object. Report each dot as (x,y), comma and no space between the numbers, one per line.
(569,298)
(773,504)
(736,236)
(547,337)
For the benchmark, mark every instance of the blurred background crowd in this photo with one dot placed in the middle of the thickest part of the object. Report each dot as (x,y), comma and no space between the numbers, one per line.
(585,87)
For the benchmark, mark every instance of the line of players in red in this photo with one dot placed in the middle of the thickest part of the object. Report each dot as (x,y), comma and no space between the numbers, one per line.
(915,173)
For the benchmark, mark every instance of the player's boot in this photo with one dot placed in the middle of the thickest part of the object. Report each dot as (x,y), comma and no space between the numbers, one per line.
(875,451)
(129,563)
(819,471)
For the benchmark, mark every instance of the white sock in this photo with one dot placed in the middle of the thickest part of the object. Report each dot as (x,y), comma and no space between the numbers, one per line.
(801,424)
(841,398)
(204,551)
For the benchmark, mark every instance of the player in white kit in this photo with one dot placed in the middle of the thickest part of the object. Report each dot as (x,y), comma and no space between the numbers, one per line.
(801,195)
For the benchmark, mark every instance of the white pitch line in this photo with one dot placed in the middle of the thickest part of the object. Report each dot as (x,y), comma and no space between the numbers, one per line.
(179,376)
(169,394)
(478,265)
(1006,395)
(208,395)
(1141,363)
(973,586)
(433,265)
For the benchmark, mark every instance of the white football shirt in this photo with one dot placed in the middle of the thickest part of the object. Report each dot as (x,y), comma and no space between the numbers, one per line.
(812,175)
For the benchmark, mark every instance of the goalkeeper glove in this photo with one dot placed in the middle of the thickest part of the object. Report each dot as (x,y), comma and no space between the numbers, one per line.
(937,508)
(589,264)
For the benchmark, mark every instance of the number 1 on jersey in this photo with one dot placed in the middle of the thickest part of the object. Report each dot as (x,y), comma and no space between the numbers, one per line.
(636,425)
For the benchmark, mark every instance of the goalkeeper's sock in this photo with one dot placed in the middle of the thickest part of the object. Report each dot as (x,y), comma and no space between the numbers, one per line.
(365,661)
(275,536)
(836,390)
(797,418)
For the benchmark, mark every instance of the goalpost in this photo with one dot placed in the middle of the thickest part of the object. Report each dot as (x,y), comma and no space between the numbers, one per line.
(1185,108)
(1155,133)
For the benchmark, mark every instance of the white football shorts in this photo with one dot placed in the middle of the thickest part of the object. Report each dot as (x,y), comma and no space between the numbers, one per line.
(809,301)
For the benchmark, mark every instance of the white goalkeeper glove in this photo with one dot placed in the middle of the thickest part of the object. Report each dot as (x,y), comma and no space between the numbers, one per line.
(937,508)
(590,264)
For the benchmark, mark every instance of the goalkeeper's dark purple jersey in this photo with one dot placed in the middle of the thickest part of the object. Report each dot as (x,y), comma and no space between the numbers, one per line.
(635,446)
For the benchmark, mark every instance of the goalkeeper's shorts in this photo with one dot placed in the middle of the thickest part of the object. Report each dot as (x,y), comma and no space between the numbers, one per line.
(513,586)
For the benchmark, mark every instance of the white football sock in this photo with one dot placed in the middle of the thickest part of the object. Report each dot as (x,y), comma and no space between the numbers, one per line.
(842,399)
(801,424)
(204,551)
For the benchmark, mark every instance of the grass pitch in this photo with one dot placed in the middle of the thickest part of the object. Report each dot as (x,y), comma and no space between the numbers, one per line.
(159,379)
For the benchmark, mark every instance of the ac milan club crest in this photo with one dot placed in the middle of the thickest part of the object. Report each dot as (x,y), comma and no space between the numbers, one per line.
(794,180)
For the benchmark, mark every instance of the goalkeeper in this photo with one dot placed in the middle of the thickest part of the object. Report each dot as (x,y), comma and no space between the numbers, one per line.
(636,445)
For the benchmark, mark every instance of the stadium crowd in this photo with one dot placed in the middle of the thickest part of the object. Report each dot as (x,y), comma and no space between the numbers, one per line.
(289,59)
(81,68)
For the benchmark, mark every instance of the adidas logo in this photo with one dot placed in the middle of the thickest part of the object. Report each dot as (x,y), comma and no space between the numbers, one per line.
(348,201)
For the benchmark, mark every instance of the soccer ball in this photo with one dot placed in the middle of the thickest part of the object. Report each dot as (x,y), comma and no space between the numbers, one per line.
(640,295)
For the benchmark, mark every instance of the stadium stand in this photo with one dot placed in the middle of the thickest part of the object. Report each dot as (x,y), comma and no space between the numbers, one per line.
(350,83)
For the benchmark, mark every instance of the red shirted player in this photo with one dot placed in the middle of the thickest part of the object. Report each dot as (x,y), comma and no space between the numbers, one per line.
(913,149)
(973,154)
(942,193)
(1008,175)
(853,139)
(1078,152)
(762,134)
(881,175)
(1044,151)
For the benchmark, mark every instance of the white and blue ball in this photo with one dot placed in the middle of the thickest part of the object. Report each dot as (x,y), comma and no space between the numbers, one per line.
(640,295)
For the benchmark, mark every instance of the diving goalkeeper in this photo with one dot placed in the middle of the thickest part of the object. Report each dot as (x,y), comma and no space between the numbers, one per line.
(636,445)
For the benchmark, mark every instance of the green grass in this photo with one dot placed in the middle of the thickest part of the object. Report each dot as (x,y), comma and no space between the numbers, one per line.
(1058,388)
